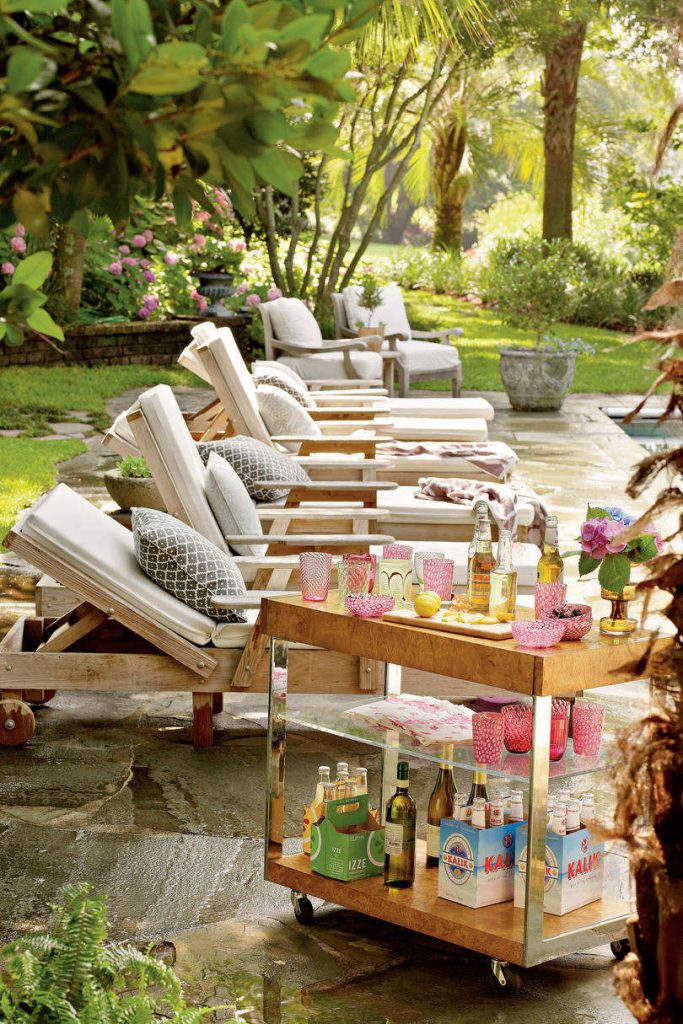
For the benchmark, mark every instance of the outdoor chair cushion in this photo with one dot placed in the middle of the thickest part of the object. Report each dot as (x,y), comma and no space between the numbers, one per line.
(186,565)
(283,415)
(292,320)
(254,461)
(265,365)
(330,365)
(468,429)
(280,378)
(230,503)
(428,356)
(434,407)
(391,314)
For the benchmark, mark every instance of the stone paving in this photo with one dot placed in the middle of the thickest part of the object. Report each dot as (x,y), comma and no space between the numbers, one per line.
(111,790)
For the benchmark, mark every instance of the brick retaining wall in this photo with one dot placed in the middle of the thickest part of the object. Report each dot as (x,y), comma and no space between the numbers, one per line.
(157,343)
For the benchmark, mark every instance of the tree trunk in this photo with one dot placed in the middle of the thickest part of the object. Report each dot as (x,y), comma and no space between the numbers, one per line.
(559,91)
(68,268)
(449,184)
(449,215)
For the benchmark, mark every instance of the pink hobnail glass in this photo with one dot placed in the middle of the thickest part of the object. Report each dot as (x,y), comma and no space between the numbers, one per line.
(517,727)
(537,634)
(559,728)
(548,597)
(353,556)
(315,568)
(352,578)
(402,551)
(487,737)
(589,721)
(419,561)
(437,574)
(577,627)
(369,606)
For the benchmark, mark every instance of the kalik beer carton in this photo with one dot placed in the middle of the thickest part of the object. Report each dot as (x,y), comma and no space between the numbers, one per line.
(348,843)
(574,870)
(476,866)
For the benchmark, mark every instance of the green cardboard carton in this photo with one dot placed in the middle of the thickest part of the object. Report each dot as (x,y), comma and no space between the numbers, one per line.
(348,843)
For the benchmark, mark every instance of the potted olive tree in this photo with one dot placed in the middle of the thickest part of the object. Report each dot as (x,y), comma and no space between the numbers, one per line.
(369,298)
(533,285)
(131,485)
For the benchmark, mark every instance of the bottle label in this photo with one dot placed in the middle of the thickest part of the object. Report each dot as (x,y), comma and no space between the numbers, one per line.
(433,840)
(393,838)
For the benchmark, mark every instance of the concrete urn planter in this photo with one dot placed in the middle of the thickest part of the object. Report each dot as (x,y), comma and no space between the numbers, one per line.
(535,381)
(133,491)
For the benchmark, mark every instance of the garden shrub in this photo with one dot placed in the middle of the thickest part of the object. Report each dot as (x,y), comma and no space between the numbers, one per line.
(443,272)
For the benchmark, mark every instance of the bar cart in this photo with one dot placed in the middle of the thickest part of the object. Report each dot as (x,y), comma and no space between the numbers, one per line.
(512,937)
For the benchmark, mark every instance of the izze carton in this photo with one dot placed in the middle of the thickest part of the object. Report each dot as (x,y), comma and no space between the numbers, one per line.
(476,866)
(574,870)
(348,843)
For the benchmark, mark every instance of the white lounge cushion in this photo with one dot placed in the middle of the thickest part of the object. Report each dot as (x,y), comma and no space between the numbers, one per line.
(330,365)
(282,414)
(230,503)
(404,506)
(272,364)
(233,383)
(292,320)
(428,356)
(235,634)
(419,429)
(191,361)
(447,408)
(391,313)
(185,564)
(66,525)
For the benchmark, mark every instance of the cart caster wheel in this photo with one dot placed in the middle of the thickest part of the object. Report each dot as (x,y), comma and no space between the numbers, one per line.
(620,947)
(17,723)
(36,698)
(508,977)
(303,908)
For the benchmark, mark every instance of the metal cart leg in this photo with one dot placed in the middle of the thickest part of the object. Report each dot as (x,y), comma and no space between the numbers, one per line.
(392,686)
(276,745)
(538,802)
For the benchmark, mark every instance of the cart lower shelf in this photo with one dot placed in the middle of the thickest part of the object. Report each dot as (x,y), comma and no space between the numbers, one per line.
(495,931)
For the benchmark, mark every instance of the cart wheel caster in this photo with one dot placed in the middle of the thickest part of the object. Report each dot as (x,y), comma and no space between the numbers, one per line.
(620,947)
(17,723)
(303,908)
(508,977)
(36,698)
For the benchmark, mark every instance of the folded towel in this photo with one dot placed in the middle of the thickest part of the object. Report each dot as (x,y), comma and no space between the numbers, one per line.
(492,457)
(502,500)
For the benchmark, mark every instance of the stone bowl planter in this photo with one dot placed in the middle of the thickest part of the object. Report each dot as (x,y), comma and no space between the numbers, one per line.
(534,380)
(133,491)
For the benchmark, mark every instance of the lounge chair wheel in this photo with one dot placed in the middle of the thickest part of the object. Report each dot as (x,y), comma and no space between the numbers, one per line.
(303,908)
(17,723)
(620,948)
(38,697)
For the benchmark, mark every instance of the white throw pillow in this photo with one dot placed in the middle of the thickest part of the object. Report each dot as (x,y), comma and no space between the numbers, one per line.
(282,414)
(391,314)
(293,321)
(231,504)
(281,379)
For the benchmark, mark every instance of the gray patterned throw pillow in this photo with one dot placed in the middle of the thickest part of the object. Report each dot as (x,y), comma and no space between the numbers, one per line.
(186,565)
(254,461)
(277,379)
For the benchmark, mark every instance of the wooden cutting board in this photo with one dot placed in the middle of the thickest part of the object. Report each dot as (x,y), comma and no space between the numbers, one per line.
(408,616)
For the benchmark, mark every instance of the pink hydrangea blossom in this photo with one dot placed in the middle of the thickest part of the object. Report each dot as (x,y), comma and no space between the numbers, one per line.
(124,250)
(237,245)
(139,241)
(145,263)
(199,240)
(150,276)
(115,267)
(274,293)
(144,312)
(8,268)
(152,301)
(149,235)
(247,269)
(18,244)
(222,199)
(130,261)
(20,230)
(200,300)
(171,258)
(598,537)
(241,288)
(253,300)
(203,216)
(171,219)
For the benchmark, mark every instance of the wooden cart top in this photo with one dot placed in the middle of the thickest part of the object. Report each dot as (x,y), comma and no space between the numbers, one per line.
(571,666)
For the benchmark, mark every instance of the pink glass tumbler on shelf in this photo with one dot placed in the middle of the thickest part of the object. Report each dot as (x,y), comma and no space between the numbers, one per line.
(438,576)
(589,721)
(548,597)
(487,737)
(517,727)
(360,557)
(559,728)
(315,568)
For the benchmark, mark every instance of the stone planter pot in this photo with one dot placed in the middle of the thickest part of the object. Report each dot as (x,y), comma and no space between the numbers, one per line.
(133,491)
(535,381)
(216,286)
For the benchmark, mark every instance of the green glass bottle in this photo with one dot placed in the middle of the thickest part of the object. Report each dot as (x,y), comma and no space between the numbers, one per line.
(399,834)
(441,805)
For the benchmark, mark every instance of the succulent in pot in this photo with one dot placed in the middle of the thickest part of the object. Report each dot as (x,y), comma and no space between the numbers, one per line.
(131,485)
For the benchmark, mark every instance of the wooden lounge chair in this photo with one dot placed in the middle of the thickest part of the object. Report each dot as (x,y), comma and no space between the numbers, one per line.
(415,356)
(128,634)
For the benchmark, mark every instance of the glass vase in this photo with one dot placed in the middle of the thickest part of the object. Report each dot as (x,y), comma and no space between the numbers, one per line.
(618,623)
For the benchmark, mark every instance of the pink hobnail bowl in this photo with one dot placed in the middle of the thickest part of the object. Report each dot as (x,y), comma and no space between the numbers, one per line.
(577,627)
(535,633)
(369,606)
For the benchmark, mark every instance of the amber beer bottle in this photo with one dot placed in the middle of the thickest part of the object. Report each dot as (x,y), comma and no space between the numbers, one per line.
(550,564)
(479,583)
(441,805)
(399,834)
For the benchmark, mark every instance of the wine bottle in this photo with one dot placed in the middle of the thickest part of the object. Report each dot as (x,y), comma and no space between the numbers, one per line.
(441,805)
(550,565)
(399,834)
(479,787)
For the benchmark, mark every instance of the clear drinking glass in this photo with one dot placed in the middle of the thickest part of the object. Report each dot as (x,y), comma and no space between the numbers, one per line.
(352,578)
(396,578)
(353,556)
(419,560)
(315,568)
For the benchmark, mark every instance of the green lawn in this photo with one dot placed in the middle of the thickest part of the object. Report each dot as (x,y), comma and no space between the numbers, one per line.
(615,368)
(28,469)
